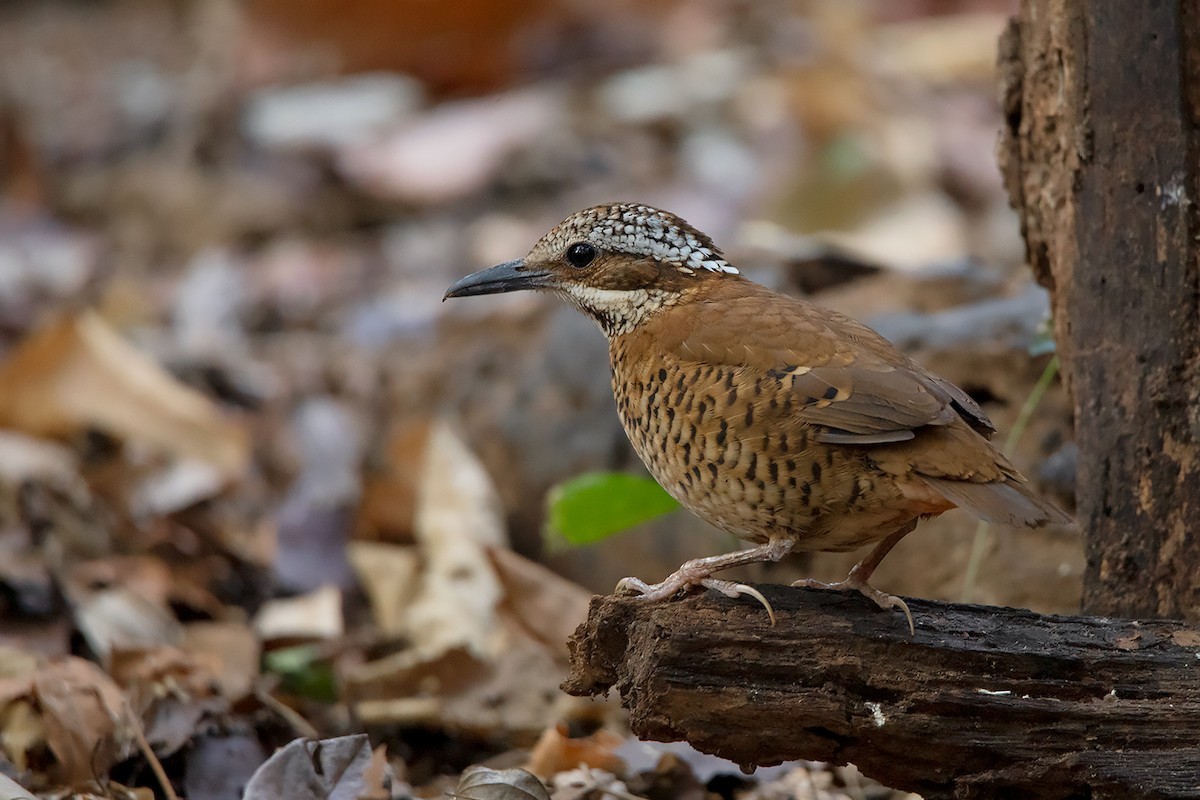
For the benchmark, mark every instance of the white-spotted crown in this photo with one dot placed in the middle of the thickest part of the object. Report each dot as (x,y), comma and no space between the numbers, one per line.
(644,231)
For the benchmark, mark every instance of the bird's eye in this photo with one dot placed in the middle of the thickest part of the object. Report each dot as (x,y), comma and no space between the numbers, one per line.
(581,254)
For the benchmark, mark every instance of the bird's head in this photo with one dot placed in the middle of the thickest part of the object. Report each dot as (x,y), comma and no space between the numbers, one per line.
(618,264)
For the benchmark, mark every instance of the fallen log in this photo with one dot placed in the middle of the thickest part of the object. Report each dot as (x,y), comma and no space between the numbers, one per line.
(980,702)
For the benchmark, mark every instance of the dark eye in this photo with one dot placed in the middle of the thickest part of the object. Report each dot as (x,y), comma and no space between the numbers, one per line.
(581,254)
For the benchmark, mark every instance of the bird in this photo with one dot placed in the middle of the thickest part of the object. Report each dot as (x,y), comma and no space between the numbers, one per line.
(785,423)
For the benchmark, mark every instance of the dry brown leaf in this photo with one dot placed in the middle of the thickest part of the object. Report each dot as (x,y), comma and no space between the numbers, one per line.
(234,651)
(87,726)
(387,509)
(170,690)
(77,373)
(377,777)
(482,783)
(556,752)
(548,606)
(514,694)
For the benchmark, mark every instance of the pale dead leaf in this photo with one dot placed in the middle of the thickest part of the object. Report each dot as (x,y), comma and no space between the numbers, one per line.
(85,719)
(24,458)
(235,650)
(77,373)
(10,790)
(585,782)
(458,513)
(331,769)
(482,783)
(15,663)
(316,615)
(475,665)
(122,602)
(21,731)
(388,574)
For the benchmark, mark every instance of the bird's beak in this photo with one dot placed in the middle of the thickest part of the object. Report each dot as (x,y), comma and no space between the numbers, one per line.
(511,276)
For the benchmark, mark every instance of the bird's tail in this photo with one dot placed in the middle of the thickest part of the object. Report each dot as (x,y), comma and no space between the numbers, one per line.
(1006,502)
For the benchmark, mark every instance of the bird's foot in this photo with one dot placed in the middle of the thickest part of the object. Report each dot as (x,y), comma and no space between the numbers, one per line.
(684,579)
(735,590)
(853,582)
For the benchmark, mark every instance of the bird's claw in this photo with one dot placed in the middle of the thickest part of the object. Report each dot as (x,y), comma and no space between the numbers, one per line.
(882,599)
(735,590)
(633,587)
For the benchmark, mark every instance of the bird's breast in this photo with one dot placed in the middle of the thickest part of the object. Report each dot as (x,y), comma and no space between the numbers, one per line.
(731,447)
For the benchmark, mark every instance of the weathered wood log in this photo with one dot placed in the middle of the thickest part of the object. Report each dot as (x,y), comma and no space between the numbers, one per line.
(981,702)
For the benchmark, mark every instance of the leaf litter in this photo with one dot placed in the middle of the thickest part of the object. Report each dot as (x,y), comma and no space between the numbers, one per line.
(270,514)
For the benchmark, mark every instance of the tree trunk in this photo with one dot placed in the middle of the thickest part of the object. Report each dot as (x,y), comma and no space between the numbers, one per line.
(1101,157)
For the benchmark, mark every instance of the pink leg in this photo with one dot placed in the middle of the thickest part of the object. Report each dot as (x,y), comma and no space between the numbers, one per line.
(698,571)
(861,573)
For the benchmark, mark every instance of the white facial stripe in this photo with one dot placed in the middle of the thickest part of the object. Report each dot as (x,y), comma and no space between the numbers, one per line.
(617,310)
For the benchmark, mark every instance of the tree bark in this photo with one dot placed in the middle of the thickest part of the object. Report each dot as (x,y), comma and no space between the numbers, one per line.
(980,703)
(1101,157)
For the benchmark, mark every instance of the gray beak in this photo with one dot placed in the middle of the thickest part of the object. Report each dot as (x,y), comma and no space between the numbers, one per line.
(511,276)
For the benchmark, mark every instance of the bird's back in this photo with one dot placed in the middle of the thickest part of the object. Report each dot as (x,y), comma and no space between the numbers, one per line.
(762,412)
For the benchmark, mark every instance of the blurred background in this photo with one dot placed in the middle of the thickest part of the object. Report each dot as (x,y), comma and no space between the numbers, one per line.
(233,405)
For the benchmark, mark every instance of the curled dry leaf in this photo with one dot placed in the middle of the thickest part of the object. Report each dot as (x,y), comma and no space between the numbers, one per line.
(87,727)
(487,627)
(122,603)
(331,769)
(546,605)
(556,752)
(77,373)
(482,783)
(171,690)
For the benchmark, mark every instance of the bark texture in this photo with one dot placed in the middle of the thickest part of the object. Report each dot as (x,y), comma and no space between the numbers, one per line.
(1101,157)
(980,703)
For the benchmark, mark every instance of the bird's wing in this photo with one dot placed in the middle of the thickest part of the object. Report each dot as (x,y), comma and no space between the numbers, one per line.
(832,371)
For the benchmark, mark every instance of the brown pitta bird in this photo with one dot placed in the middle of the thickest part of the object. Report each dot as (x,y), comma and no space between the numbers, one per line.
(782,422)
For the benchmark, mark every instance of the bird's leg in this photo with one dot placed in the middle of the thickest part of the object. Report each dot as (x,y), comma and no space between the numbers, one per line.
(698,571)
(860,573)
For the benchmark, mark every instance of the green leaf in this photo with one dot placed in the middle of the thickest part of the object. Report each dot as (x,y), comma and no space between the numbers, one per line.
(595,505)
(304,672)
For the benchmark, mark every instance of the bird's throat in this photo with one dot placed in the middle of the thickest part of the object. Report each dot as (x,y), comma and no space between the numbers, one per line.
(618,311)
